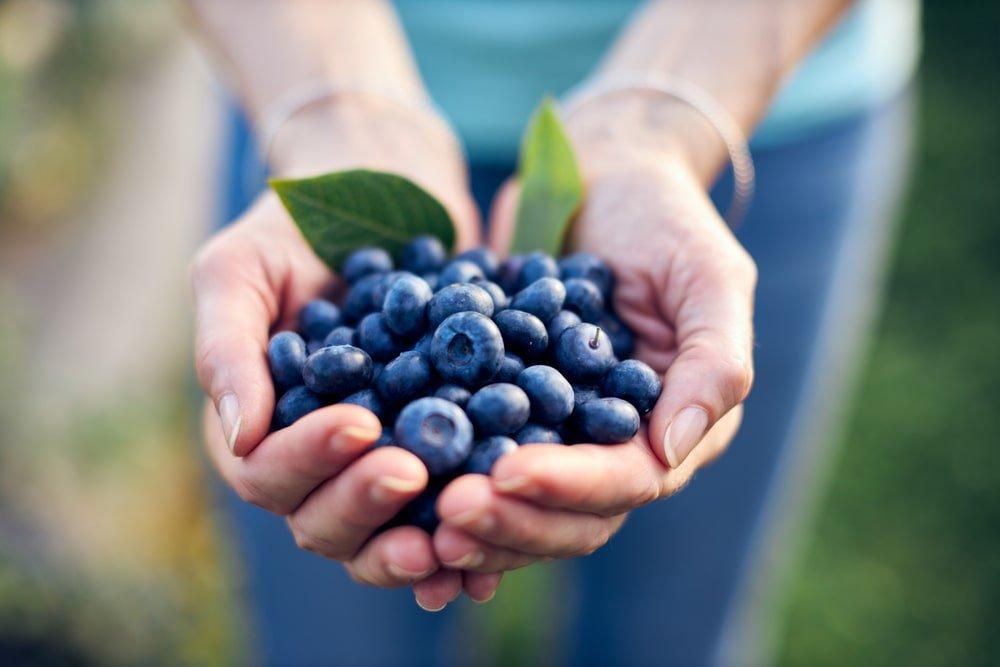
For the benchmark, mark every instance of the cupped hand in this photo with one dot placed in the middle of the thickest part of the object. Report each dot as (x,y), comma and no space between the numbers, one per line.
(685,286)
(249,281)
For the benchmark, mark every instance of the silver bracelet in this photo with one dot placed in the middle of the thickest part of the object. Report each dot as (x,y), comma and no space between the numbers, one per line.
(694,96)
(304,95)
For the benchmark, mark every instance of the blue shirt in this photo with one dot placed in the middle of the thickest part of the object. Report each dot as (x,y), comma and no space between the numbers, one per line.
(487,63)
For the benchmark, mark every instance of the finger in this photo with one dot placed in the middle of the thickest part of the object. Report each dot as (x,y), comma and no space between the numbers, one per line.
(235,305)
(607,480)
(436,591)
(481,587)
(713,370)
(339,516)
(459,550)
(288,464)
(398,557)
(469,503)
(502,214)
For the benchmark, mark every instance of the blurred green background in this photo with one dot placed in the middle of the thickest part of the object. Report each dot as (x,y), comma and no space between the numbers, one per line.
(108,551)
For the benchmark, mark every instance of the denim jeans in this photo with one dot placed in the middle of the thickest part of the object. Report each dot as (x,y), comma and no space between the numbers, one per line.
(679,585)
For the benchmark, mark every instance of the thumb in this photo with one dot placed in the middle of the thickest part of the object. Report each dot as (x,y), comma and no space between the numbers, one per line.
(502,214)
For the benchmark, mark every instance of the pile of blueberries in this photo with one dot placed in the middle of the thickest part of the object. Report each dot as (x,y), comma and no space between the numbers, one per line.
(463,360)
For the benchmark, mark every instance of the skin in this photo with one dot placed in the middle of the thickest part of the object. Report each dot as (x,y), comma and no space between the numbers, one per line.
(685,285)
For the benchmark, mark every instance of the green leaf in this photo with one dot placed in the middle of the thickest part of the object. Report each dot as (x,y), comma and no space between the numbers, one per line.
(551,186)
(346,210)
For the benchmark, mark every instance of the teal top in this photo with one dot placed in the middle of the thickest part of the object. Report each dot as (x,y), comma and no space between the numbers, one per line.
(487,63)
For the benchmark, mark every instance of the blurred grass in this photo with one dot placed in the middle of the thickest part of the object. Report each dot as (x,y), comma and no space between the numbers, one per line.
(904,568)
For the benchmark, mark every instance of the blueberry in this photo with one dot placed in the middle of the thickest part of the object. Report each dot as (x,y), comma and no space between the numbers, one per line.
(314,345)
(484,258)
(423,254)
(583,393)
(509,369)
(522,332)
(467,349)
(423,345)
(584,298)
(583,353)
(458,298)
(459,271)
(590,267)
(486,452)
(295,404)
(384,440)
(496,293)
(536,433)
(381,290)
(536,265)
(543,298)
(421,511)
(622,340)
(436,431)
(405,307)
(340,336)
(404,378)
(606,421)
(498,409)
(317,318)
(361,299)
(634,382)
(377,368)
(375,338)
(286,354)
(432,280)
(454,393)
(510,270)
(368,399)
(337,370)
(562,321)
(551,394)
(364,262)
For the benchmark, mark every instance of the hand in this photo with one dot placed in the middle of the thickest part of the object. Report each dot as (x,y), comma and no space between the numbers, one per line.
(685,286)
(253,278)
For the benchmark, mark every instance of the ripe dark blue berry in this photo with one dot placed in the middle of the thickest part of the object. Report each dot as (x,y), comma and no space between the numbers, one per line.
(486,452)
(590,267)
(634,382)
(467,349)
(522,332)
(363,262)
(404,309)
(584,354)
(421,511)
(496,292)
(458,298)
(536,265)
(295,404)
(584,298)
(337,370)
(510,272)
(459,271)
(543,298)
(363,298)
(484,258)
(583,393)
(432,280)
(340,336)
(286,354)
(375,338)
(423,254)
(510,368)
(606,421)
(384,440)
(405,378)
(317,318)
(454,393)
(368,399)
(314,345)
(437,432)
(562,321)
(498,409)
(550,393)
(536,433)
(423,345)
(621,338)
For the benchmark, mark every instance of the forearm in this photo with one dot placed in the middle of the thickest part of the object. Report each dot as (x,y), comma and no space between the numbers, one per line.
(738,51)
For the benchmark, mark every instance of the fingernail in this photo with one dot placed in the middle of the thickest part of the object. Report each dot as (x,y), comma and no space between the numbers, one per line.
(477,518)
(474,558)
(430,609)
(684,432)
(386,489)
(406,575)
(352,437)
(517,484)
(485,599)
(231,418)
